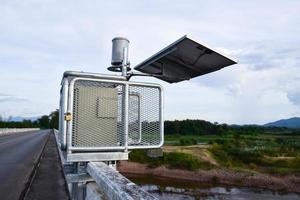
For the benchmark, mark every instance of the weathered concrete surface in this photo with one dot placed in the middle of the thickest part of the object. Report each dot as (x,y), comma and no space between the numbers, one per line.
(48,182)
(93,192)
(19,153)
(114,185)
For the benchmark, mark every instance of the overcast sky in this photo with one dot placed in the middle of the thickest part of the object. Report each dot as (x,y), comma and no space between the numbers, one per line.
(39,40)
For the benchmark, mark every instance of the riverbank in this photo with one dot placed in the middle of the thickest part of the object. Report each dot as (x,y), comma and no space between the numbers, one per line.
(286,183)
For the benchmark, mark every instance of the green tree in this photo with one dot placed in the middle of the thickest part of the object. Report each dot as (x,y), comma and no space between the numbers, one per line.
(54,117)
(44,122)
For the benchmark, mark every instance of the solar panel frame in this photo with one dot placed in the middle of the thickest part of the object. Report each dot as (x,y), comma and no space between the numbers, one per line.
(184,59)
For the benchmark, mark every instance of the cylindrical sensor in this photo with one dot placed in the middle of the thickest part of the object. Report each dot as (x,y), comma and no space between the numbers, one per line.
(119,44)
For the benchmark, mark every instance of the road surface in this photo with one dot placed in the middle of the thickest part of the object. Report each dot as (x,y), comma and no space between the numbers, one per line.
(49,181)
(18,155)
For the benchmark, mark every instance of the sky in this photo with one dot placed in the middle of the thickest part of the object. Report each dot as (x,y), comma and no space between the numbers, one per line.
(42,39)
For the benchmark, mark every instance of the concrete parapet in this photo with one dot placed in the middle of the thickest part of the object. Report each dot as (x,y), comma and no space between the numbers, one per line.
(93,192)
(15,130)
(113,185)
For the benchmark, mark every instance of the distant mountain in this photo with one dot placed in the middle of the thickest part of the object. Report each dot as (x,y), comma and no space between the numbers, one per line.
(19,119)
(289,123)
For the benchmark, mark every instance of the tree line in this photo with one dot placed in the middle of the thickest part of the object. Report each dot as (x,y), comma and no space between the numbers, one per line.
(202,127)
(176,127)
(44,122)
(193,127)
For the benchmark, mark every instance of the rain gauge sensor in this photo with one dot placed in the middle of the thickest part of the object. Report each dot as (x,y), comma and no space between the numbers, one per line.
(102,116)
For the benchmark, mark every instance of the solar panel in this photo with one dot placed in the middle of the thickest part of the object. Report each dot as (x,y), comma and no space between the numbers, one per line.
(183,60)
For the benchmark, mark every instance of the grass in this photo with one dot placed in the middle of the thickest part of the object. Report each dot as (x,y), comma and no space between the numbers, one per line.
(255,159)
(267,153)
(176,160)
(175,139)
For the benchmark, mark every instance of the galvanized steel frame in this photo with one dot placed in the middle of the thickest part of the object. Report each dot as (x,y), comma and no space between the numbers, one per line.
(68,97)
(139,114)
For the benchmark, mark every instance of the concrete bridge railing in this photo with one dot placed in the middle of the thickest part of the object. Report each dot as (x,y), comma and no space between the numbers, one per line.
(112,185)
(15,130)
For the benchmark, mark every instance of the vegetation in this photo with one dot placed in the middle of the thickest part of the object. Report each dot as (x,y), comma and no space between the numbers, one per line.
(255,148)
(187,141)
(23,124)
(44,122)
(171,160)
(202,127)
(194,127)
(259,153)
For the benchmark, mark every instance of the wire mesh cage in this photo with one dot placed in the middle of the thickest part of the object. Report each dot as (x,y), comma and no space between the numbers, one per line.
(144,116)
(97,114)
(109,115)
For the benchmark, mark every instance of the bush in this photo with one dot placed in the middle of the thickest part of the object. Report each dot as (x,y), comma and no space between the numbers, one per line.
(181,160)
(219,154)
(187,141)
(245,156)
(252,166)
(172,160)
(140,156)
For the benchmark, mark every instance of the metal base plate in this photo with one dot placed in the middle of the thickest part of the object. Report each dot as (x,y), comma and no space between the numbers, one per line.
(100,156)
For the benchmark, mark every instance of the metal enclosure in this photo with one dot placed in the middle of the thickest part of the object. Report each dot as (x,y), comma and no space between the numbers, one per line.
(100,113)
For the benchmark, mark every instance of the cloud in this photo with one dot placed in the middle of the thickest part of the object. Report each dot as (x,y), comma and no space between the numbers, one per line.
(11,98)
(40,40)
(294,98)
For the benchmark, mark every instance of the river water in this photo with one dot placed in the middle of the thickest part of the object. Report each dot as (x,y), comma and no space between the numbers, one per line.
(172,190)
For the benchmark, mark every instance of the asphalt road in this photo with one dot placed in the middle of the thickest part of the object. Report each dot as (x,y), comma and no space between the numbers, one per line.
(49,181)
(18,155)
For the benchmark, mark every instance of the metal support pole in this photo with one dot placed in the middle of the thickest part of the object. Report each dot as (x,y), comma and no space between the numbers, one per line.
(69,123)
(125,62)
(62,111)
(75,185)
(126,104)
(126,100)
(84,186)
